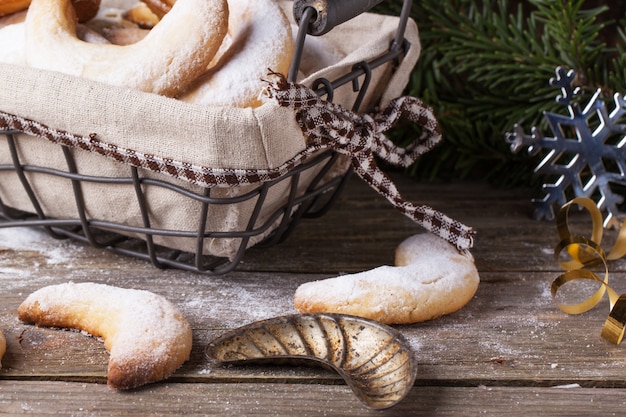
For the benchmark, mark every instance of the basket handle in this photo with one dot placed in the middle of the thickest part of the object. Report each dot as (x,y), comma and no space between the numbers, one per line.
(317,17)
(330,13)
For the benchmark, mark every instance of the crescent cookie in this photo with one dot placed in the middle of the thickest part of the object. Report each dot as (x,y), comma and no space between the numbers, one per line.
(432,278)
(173,54)
(259,38)
(146,336)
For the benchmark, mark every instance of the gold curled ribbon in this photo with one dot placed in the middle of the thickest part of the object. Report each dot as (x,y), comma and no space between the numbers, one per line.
(584,252)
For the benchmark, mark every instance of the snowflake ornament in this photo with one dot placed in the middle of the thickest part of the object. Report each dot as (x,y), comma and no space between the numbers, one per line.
(586,156)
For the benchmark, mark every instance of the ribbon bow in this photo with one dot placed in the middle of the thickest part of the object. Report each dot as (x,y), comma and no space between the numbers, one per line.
(361,137)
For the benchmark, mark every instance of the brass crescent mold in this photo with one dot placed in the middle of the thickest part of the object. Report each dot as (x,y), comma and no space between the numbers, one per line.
(375,360)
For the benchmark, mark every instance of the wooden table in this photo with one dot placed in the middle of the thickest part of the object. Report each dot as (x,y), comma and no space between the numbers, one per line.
(510,351)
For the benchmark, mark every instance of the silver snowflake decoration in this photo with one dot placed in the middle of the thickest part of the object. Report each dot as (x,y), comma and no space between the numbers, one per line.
(586,156)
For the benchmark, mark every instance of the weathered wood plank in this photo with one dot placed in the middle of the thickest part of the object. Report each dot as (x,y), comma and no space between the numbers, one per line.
(511,333)
(511,337)
(363,229)
(78,399)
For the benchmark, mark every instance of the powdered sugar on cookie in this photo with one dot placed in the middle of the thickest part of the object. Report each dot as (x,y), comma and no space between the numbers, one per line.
(259,38)
(432,279)
(147,337)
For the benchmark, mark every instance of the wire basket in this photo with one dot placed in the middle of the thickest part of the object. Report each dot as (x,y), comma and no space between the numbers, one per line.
(271,208)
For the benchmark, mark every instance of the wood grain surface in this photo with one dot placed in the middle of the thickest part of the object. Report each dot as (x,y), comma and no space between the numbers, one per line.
(510,351)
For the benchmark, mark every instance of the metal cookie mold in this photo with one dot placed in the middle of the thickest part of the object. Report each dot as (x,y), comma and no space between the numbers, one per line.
(373,359)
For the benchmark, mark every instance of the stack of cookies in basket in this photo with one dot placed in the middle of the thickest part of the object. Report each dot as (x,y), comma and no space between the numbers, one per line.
(212,52)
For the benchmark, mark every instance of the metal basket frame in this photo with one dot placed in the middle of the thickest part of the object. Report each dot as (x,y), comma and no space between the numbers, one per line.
(314,202)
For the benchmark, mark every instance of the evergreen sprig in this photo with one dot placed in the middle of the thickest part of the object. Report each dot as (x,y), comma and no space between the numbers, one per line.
(485,66)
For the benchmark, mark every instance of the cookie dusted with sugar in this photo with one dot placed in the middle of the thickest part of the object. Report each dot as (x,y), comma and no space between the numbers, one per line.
(147,336)
(259,38)
(172,55)
(431,278)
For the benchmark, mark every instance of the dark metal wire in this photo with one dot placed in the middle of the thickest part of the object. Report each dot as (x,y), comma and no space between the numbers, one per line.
(138,241)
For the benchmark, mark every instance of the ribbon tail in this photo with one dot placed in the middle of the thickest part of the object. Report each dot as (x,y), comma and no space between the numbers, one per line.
(430,219)
(361,136)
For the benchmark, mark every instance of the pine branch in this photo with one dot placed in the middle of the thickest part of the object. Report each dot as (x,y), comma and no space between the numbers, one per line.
(485,67)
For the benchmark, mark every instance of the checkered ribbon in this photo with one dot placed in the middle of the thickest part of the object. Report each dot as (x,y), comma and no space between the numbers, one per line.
(326,125)
(360,136)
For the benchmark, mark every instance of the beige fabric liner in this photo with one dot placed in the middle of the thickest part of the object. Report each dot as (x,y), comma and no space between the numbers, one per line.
(218,137)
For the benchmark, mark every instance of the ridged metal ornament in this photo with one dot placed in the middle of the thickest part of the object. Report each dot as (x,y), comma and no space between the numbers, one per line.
(372,358)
